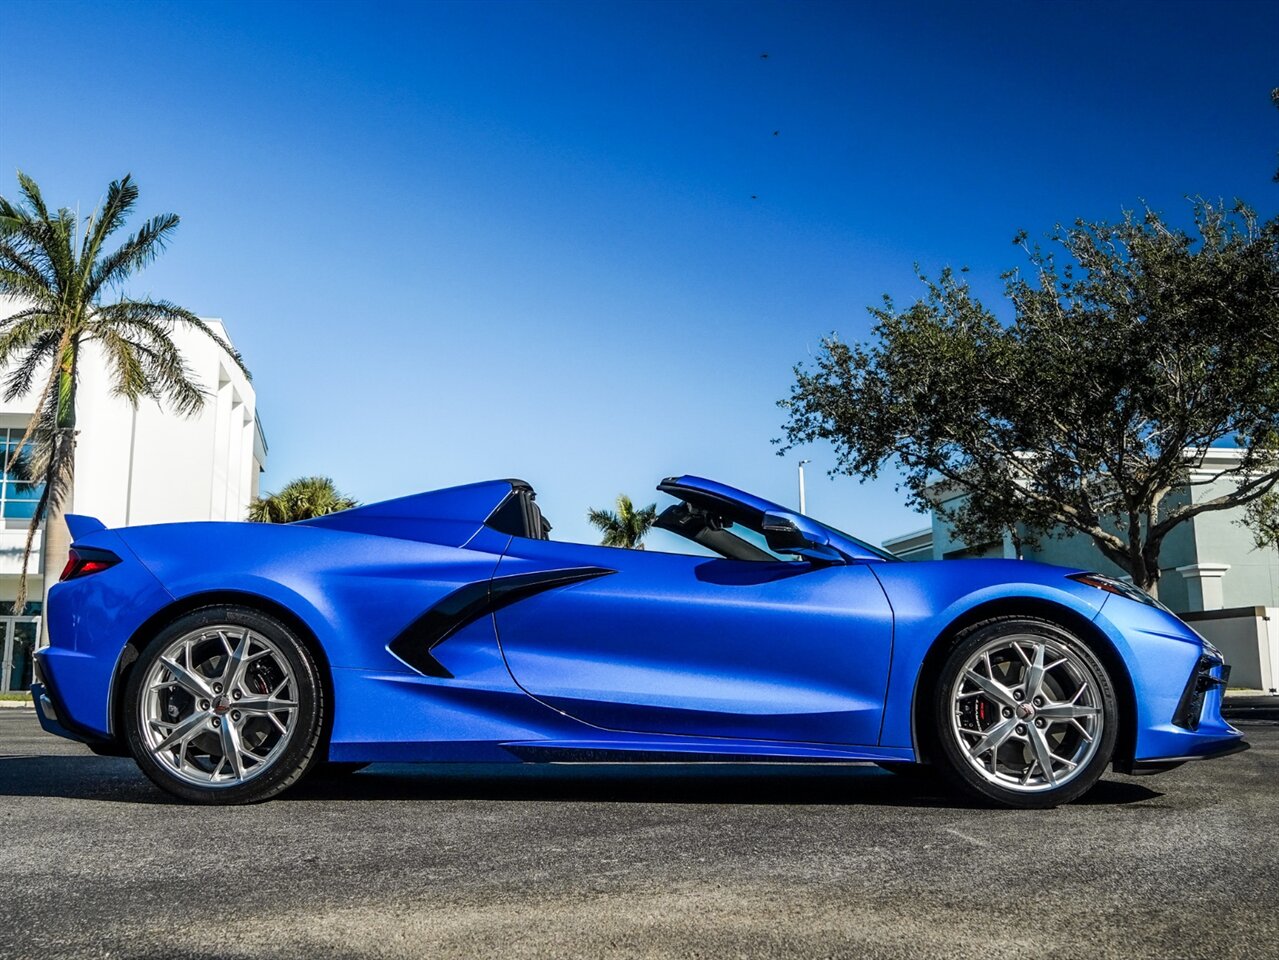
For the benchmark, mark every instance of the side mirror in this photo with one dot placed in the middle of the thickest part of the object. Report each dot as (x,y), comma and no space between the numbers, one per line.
(791,533)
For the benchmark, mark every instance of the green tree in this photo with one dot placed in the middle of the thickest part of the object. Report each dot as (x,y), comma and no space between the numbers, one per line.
(1133,348)
(60,271)
(300,499)
(625,528)
(1262,518)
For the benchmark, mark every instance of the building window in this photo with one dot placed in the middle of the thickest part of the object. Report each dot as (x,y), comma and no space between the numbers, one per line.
(18,496)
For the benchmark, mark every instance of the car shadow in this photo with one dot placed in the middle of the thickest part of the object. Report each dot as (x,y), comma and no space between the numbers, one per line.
(120,781)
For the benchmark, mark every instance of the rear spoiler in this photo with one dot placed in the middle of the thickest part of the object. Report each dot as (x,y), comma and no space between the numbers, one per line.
(81,526)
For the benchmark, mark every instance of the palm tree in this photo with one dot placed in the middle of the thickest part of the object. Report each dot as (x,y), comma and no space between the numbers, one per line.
(300,499)
(60,271)
(625,528)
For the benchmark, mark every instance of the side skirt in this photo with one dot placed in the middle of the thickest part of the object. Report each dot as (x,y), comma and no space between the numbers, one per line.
(649,751)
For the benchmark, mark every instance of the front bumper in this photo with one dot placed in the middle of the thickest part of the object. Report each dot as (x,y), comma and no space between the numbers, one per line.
(1177,689)
(1205,751)
(1209,674)
(1205,686)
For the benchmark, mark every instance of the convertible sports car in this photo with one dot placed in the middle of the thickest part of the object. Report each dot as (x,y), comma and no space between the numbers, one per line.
(229,659)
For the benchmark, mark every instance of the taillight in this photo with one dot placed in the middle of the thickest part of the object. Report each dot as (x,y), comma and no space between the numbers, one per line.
(82,561)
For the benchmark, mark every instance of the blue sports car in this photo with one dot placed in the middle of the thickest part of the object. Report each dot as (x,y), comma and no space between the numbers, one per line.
(229,659)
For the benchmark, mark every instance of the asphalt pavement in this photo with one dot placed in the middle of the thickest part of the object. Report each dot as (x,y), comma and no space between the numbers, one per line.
(632,861)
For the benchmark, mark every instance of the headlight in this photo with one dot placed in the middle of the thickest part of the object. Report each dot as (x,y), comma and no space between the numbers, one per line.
(1125,589)
(1114,585)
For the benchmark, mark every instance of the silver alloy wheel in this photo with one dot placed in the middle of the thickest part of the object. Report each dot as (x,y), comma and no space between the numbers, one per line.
(1027,714)
(218,706)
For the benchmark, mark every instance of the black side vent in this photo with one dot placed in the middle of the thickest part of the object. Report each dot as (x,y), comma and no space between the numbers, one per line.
(415,643)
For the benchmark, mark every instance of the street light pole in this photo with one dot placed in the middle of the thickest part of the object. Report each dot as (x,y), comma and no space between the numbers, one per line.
(802,504)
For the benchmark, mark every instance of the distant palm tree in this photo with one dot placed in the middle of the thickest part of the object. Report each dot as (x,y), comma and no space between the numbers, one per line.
(625,528)
(301,499)
(58,269)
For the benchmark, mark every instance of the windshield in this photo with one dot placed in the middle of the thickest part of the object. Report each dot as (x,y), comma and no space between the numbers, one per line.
(732,530)
(725,506)
(837,535)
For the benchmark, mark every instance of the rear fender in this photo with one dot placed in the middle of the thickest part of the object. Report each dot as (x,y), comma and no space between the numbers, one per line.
(354,592)
(90,620)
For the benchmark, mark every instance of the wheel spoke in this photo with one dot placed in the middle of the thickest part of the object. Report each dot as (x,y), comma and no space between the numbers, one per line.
(1067,711)
(992,688)
(181,730)
(231,749)
(237,658)
(1035,672)
(993,738)
(266,704)
(1044,756)
(188,680)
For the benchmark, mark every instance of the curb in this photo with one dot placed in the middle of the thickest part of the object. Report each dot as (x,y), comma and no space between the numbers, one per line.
(16,705)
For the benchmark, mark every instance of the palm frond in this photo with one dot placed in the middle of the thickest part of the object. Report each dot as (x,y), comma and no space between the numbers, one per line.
(300,499)
(38,352)
(136,252)
(54,462)
(33,426)
(30,191)
(625,528)
(56,239)
(27,237)
(146,361)
(121,196)
(19,275)
(128,366)
(164,314)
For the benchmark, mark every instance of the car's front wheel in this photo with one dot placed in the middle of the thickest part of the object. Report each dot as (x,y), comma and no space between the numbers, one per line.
(1025,713)
(224,706)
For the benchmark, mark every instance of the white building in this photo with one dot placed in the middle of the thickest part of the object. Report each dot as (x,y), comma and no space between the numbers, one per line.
(133,466)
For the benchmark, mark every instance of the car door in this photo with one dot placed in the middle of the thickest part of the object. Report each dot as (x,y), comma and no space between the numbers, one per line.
(648,642)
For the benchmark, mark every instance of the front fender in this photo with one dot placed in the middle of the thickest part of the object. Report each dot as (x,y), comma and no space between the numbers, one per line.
(929,598)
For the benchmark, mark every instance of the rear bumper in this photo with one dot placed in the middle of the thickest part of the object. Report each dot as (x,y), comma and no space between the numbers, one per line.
(51,711)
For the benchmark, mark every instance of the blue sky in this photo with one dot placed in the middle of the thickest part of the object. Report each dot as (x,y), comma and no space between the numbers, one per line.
(461,241)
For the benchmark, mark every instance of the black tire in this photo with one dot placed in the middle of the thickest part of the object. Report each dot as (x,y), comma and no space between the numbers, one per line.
(954,761)
(295,757)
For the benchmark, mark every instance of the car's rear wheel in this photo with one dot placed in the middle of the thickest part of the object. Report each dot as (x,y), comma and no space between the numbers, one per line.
(1026,713)
(225,706)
